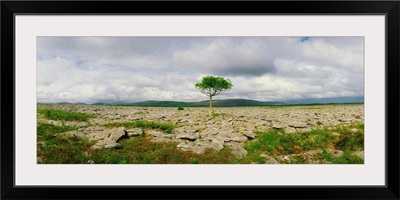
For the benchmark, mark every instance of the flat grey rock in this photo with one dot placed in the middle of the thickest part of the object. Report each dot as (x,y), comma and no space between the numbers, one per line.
(134,132)
(298,124)
(188,136)
(106,143)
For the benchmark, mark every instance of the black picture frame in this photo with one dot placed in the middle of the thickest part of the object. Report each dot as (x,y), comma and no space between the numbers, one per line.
(9,9)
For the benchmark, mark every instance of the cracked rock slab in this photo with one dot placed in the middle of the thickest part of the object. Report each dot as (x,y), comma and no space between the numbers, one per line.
(249,134)
(106,143)
(237,149)
(210,144)
(298,124)
(134,132)
(191,146)
(188,136)
(114,134)
(231,137)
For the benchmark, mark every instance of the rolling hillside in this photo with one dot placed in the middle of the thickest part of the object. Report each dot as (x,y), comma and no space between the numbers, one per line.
(238,102)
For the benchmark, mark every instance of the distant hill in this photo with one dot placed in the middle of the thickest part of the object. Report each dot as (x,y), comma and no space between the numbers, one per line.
(216,103)
(335,100)
(238,102)
(63,102)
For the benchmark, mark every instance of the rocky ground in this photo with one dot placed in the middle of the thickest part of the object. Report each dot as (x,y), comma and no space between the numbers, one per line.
(231,126)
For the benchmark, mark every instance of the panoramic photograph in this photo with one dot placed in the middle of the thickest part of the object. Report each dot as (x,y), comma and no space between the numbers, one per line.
(200,100)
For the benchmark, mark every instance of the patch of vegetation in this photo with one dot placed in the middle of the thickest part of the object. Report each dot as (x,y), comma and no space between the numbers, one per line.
(140,150)
(180,108)
(348,158)
(215,114)
(298,159)
(163,126)
(252,158)
(65,115)
(53,147)
(277,142)
(360,126)
(350,140)
(193,161)
(137,150)
(143,151)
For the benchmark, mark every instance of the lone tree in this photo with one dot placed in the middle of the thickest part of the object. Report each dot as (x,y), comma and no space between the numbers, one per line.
(212,86)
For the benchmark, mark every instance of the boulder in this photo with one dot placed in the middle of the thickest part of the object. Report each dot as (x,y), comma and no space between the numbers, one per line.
(114,134)
(278,126)
(134,132)
(106,143)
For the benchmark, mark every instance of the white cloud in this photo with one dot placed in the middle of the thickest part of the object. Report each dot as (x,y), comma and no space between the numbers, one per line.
(90,69)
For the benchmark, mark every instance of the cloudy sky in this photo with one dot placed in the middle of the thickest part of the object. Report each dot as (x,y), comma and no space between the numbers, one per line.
(131,69)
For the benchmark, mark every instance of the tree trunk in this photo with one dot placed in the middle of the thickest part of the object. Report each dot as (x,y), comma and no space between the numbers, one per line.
(210,105)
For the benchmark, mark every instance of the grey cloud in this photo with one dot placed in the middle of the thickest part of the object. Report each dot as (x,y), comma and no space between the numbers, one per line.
(165,68)
(227,56)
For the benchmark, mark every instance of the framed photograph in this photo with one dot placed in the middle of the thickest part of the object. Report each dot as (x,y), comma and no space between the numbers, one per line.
(153,100)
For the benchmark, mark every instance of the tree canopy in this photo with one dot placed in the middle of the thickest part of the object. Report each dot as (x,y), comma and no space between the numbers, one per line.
(212,86)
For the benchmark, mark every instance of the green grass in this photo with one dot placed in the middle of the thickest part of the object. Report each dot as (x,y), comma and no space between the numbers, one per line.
(348,158)
(163,126)
(53,147)
(193,161)
(215,114)
(65,115)
(140,150)
(275,143)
